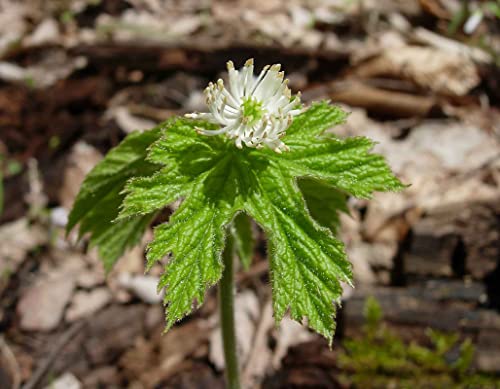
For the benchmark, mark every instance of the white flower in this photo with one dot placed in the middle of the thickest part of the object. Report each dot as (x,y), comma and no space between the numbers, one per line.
(254,111)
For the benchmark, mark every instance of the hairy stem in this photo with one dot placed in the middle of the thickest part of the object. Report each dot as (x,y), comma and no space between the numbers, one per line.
(226,306)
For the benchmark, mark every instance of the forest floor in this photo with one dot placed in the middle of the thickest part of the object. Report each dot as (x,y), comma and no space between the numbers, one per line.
(420,77)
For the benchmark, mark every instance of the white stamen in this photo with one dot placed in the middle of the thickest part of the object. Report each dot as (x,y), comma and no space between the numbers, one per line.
(254,111)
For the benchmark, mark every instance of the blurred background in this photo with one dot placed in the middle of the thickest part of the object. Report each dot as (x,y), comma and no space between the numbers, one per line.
(421,77)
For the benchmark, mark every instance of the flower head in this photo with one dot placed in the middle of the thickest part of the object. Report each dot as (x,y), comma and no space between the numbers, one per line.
(254,111)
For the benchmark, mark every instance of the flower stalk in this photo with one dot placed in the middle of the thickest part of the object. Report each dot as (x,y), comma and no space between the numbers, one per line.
(226,307)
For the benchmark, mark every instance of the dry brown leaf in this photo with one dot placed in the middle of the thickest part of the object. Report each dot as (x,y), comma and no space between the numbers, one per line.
(42,304)
(144,287)
(432,69)
(17,238)
(82,159)
(13,23)
(85,303)
(41,307)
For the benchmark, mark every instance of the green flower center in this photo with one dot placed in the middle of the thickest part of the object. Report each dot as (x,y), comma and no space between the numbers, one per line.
(252,110)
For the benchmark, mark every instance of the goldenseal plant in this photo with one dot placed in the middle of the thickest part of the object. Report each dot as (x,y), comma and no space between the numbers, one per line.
(257,154)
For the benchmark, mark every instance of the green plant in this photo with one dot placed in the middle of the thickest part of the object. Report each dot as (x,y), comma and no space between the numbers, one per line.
(270,142)
(381,359)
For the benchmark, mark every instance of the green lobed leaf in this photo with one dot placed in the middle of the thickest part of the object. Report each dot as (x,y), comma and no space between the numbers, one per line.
(307,262)
(221,186)
(147,194)
(324,202)
(111,237)
(346,164)
(97,204)
(320,116)
(195,236)
(195,233)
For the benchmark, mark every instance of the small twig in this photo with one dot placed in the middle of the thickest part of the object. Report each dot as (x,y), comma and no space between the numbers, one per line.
(381,101)
(45,365)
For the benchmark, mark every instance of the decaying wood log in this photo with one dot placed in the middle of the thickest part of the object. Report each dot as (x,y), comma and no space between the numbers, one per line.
(448,305)
(456,241)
